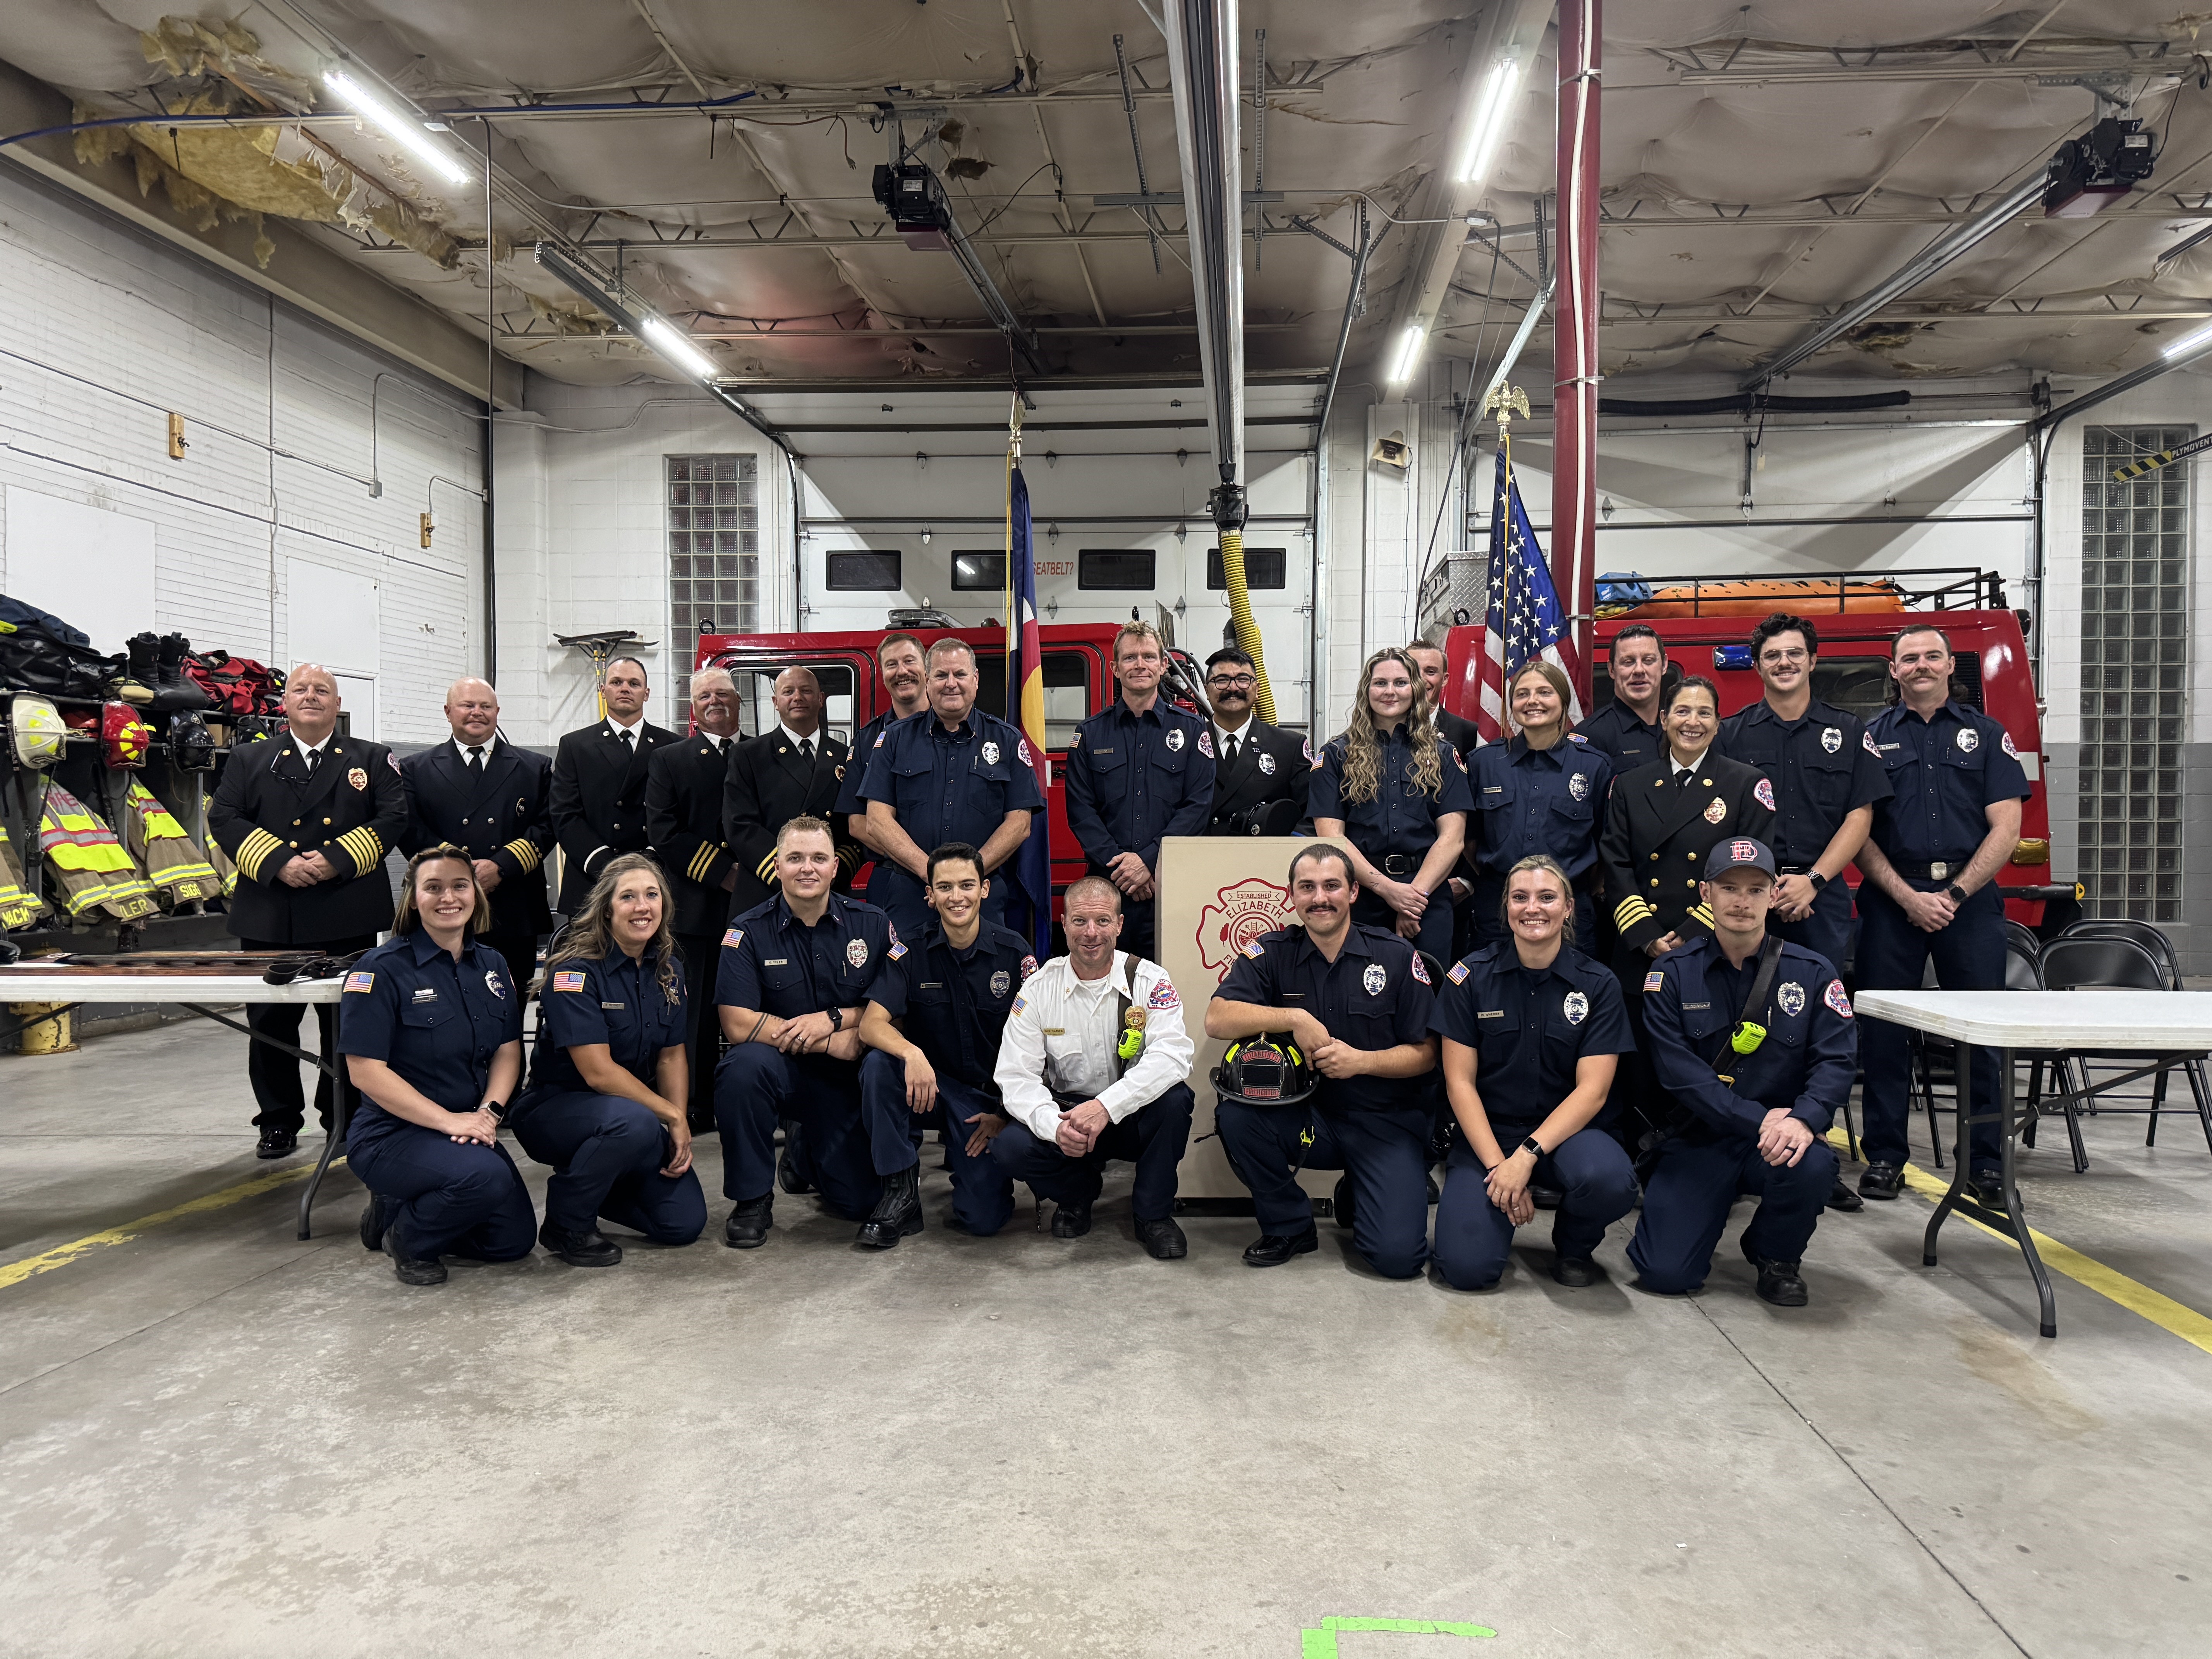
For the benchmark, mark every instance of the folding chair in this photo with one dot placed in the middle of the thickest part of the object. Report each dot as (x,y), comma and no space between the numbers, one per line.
(2111,960)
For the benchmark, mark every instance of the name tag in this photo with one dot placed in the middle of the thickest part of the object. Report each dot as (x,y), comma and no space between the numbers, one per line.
(1494,788)
(1696,1005)
(1490,1013)
(933,985)
(610,1005)
(777,962)
(1294,996)
(424,993)
(1055,1030)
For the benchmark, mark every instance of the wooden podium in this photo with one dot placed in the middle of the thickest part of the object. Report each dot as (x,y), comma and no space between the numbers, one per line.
(1217,894)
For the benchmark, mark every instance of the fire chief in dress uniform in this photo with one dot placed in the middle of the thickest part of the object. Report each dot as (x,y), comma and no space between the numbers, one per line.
(597,798)
(480,794)
(307,819)
(1259,770)
(795,770)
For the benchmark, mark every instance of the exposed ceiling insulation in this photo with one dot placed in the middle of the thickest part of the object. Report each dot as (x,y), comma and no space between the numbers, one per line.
(1761,165)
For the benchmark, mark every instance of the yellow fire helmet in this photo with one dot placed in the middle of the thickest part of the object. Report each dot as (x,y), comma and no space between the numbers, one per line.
(37,729)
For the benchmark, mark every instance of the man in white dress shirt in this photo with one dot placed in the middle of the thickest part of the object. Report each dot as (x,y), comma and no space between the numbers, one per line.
(1093,1066)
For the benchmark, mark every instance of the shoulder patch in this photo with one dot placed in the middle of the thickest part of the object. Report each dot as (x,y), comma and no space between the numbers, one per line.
(1206,744)
(1306,744)
(360,981)
(2005,744)
(1458,975)
(1020,1003)
(1763,792)
(1654,980)
(881,735)
(1836,1000)
(394,759)
(1866,738)
(1164,996)
(1421,969)
(1255,949)
(1029,967)
(1576,737)
(568,982)
(732,939)
(897,950)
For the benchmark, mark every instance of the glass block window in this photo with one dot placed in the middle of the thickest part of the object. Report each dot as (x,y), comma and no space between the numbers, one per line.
(2135,667)
(714,554)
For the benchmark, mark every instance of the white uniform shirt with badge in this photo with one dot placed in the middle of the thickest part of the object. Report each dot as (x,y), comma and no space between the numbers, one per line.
(1063,1033)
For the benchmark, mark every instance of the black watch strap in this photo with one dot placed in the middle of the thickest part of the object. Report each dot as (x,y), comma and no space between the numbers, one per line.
(1957,894)
(1819,882)
(837,1019)
(1532,1147)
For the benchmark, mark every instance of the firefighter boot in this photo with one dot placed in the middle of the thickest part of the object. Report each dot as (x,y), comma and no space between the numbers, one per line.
(136,686)
(174,689)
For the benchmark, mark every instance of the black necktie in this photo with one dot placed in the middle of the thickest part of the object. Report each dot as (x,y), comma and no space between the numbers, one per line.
(476,759)
(806,750)
(313,755)
(629,739)
(1229,749)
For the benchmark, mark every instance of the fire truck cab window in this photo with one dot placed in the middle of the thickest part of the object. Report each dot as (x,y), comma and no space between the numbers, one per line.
(979,573)
(1119,569)
(1066,692)
(864,572)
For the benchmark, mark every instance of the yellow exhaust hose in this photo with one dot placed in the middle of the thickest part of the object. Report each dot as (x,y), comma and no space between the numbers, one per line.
(1240,613)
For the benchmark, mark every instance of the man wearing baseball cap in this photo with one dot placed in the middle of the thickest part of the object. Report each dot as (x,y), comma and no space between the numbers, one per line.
(1753,1042)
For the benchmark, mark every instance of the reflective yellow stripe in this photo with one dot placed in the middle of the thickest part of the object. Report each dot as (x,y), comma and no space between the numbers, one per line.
(525,853)
(253,851)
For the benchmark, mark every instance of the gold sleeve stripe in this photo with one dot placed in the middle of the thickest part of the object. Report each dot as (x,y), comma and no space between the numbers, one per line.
(766,869)
(525,853)
(1630,911)
(254,851)
(1703,912)
(365,847)
(702,861)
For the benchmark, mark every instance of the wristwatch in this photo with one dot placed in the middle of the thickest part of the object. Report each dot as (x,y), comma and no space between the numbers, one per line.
(1957,894)
(837,1019)
(1532,1147)
(1819,881)
(496,1108)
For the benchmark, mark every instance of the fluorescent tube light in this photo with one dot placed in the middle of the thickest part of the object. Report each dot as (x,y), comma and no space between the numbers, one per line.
(676,346)
(403,128)
(2191,342)
(1494,101)
(1409,348)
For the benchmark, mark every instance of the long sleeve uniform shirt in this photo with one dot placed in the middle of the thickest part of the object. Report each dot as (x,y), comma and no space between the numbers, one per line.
(1063,1033)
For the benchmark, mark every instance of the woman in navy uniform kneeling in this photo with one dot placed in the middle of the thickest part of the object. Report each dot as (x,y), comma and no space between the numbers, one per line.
(430,1022)
(608,1082)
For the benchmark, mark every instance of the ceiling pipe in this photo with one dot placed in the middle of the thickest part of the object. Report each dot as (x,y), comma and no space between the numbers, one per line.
(1201,37)
(1930,259)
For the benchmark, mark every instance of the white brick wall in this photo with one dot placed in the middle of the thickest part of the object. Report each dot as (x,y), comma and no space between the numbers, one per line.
(103,331)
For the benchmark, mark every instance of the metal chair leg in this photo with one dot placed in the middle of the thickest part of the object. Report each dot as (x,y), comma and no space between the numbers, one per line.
(1925,1076)
(2200,1090)
(2074,1120)
(2033,1112)
(2157,1100)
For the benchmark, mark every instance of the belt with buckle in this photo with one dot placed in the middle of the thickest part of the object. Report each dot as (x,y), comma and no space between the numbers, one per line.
(1401,865)
(1940,870)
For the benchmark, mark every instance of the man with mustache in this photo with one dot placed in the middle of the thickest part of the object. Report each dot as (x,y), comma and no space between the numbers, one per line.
(1259,770)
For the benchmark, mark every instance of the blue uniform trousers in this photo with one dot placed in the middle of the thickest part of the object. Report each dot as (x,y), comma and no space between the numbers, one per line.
(899,896)
(1687,1200)
(1894,955)
(606,1155)
(1474,1236)
(453,1199)
(1436,937)
(1387,1157)
(1488,900)
(982,1194)
(1828,929)
(1153,1138)
(853,1137)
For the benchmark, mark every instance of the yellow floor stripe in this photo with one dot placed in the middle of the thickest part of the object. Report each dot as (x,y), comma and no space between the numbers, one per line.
(2163,1311)
(15,1272)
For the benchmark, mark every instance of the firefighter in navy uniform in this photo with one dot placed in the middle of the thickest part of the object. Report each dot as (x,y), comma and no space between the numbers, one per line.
(934,1021)
(954,774)
(899,662)
(1543,790)
(598,795)
(797,768)
(797,974)
(683,818)
(1355,1002)
(307,818)
(1753,1040)
(1456,730)
(1139,771)
(1629,731)
(1259,770)
(1930,890)
(480,794)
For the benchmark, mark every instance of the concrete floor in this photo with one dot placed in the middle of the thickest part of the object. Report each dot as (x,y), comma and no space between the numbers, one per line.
(216,1439)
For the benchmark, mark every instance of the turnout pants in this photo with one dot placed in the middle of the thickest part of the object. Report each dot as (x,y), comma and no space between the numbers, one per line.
(1153,1138)
(852,1139)
(277,1096)
(1474,1236)
(982,1193)
(1969,956)
(453,1199)
(1386,1155)
(606,1154)
(1686,1207)
(703,1028)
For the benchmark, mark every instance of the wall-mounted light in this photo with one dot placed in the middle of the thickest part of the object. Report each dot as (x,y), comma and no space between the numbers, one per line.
(925,536)
(1053,533)
(404,129)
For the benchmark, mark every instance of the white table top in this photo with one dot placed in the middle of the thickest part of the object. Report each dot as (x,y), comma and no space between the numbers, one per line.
(2132,1021)
(25,984)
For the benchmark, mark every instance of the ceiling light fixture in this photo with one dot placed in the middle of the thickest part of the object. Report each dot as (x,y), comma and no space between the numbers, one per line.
(410,131)
(2190,344)
(676,346)
(1409,351)
(1488,125)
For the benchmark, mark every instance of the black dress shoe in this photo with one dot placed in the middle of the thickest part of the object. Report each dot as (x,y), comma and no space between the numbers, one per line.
(588,1248)
(747,1227)
(277,1143)
(1339,1206)
(1071,1220)
(1545,1198)
(373,1220)
(1162,1240)
(897,1213)
(790,1165)
(412,1270)
(1272,1249)
(1986,1188)
(1778,1281)
(1576,1272)
(1882,1181)
(1841,1197)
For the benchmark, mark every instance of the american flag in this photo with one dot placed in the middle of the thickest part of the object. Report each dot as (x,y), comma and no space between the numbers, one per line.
(1535,622)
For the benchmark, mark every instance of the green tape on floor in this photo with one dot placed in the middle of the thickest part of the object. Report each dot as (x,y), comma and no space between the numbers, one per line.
(1319,1642)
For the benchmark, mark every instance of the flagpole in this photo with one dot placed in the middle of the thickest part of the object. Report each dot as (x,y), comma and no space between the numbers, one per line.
(1505,401)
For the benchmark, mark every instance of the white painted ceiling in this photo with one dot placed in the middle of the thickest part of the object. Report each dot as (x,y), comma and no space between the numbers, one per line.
(1739,208)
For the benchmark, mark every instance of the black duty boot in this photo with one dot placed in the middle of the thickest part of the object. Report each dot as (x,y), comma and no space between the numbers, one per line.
(174,689)
(1339,1206)
(588,1248)
(1841,1197)
(1273,1249)
(1778,1281)
(412,1270)
(1576,1272)
(1071,1220)
(1882,1181)
(277,1143)
(1162,1240)
(747,1227)
(1986,1187)
(142,671)
(897,1213)
(791,1171)
(373,1221)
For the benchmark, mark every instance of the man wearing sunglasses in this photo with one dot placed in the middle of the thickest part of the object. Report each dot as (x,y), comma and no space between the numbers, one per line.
(1259,770)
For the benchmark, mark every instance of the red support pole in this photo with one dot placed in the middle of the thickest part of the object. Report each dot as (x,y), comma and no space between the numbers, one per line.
(1574,334)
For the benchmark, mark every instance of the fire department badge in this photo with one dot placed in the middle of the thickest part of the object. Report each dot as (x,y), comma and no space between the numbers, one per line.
(1836,1000)
(1374,979)
(358,777)
(1716,809)
(1969,740)
(1578,786)
(1791,999)
(1022,749)
(1420,970)
(1001,982)
(1831,738)
(1266,763)
(1763,792)
(1134,1019)
(1176,738)
(1206,744)
(856,952)
(494,984)
(1576,1007)
(990,753)
(1029,967)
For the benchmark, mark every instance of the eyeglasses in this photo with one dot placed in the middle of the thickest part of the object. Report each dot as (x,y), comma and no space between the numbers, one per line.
(1783,653)
(1232,682)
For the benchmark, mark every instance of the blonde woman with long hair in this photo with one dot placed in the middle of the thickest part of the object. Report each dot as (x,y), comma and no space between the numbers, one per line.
(1399,794)
(608,1084)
